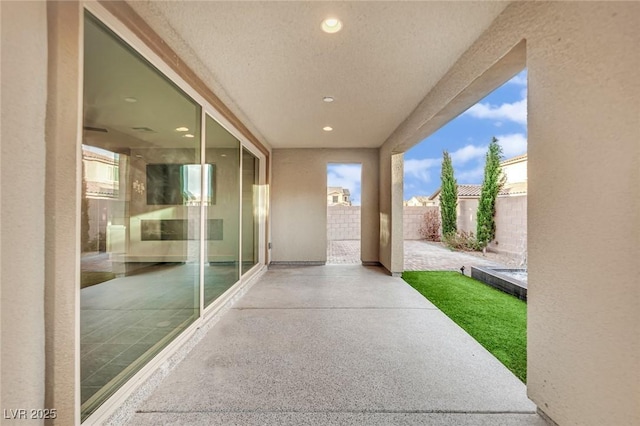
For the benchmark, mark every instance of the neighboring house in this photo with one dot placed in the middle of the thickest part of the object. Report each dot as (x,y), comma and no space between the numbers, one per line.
(419,201)
(515,170)
(101,173)
(338,196)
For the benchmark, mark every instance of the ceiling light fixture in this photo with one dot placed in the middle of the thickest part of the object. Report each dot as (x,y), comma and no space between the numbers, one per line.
(182,129)
(327,128)
(328,99)
(131,100)
(331,25)
(188,135)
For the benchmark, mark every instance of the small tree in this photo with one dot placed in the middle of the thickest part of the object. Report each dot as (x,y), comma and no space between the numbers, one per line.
(448,196)
(491,186)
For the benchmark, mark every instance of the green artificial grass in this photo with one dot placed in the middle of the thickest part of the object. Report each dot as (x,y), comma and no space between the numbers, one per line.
(498,321)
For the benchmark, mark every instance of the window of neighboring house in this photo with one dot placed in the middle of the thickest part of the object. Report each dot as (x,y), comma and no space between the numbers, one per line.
(335,198)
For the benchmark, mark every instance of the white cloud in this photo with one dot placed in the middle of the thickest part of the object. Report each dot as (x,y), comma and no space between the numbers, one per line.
(467,153)
(420,169)
(346,176)
(472,176)
(516,112)
(519,79)
(513,144)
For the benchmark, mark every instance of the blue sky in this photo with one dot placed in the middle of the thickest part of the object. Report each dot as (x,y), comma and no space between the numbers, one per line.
(502,114)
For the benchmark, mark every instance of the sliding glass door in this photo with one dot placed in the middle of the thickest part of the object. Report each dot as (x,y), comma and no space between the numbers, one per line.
(168,214)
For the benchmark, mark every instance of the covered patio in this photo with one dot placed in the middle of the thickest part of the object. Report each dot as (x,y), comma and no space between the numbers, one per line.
(337,344)
(259,98)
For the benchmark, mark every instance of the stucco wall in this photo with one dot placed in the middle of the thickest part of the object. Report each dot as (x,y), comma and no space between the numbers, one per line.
(299,202)
(583,126)
(343,223)
(22,179)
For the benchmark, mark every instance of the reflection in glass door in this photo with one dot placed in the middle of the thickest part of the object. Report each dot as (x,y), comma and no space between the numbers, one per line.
(140,218)
(161,223)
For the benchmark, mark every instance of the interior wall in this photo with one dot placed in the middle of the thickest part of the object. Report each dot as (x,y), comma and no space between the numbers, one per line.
(583,127)
(299,203)
(22,180)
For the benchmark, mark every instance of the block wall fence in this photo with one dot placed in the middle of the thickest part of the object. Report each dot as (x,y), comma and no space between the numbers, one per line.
(343,223)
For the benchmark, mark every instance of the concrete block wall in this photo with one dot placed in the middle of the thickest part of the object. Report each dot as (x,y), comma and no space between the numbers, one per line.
(511,226)
(511,223)
(413,219)
(343,223)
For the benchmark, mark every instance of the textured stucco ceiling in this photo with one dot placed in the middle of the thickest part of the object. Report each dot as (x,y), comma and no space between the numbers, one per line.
(272,63)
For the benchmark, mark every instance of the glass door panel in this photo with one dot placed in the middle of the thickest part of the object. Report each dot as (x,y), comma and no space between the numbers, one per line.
(250,210)
(222,225)
(140,214)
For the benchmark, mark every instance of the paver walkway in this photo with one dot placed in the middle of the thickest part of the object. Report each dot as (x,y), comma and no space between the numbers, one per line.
(419,255)
(337,345)
(343,252)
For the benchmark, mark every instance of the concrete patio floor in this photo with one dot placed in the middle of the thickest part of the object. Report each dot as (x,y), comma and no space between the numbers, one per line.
(339,344)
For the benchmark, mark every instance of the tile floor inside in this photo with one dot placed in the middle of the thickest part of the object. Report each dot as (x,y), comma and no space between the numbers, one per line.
(127,320)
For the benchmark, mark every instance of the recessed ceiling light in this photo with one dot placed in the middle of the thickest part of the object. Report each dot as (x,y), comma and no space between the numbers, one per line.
(327,128)
(131,100)
(182,129)
(328,99)
(188,135)
(331,25)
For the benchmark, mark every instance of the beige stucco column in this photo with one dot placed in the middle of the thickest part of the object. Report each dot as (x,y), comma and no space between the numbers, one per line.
(391,210)
(62,197)
(22,213)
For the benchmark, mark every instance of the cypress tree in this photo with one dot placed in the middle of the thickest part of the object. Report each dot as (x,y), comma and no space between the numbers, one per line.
(448,196)
(491,186)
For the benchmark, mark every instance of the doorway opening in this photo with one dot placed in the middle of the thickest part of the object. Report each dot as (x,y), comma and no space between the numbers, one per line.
(344,184)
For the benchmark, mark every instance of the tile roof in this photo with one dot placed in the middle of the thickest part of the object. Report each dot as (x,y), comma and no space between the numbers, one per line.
(466,190)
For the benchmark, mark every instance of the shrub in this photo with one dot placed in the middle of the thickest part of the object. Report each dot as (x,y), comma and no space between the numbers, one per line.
(462,240)
(430,228)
